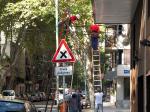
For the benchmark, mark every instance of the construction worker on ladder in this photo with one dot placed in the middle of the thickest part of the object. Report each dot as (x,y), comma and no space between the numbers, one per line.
(94,29)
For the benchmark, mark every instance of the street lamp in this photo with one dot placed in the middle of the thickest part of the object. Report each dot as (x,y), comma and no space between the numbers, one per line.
(56,16)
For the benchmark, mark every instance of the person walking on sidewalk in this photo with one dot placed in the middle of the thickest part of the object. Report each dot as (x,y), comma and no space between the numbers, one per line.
(73,104)
(99,100)
(79,95)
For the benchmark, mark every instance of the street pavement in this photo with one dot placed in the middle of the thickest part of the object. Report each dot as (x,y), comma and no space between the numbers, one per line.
(107,107)
(41,106)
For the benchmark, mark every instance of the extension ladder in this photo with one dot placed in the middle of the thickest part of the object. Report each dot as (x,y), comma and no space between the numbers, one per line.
(97,76)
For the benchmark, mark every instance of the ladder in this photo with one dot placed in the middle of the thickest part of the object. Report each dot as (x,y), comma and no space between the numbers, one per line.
(97,76)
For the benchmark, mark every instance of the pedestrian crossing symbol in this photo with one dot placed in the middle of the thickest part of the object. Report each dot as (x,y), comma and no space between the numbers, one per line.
(63,53)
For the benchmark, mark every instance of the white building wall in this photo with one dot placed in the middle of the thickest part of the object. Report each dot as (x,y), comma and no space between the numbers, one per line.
(120,89)
(120,92)
(122,71)
(120,101)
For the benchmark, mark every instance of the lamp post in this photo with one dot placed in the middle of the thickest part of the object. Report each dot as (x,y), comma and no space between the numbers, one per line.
(56,24)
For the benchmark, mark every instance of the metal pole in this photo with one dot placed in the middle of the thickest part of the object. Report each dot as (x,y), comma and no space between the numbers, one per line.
(57,77)
(85,72)
(64,106)
(145,85)
(56,10)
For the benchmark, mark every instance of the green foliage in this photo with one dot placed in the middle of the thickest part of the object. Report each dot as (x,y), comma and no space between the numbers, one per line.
(78,76)
(27,11)
(37,17)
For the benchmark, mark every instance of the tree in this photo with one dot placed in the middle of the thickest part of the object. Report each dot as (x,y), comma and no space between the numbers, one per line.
(21,19)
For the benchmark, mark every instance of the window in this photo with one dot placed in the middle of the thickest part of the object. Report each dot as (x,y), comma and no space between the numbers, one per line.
(127,88)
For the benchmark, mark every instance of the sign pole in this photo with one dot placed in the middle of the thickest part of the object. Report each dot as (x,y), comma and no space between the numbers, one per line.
(63,54)
(64,105)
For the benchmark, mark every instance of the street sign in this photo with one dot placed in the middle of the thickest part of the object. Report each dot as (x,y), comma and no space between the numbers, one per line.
(63,71)
(63,53)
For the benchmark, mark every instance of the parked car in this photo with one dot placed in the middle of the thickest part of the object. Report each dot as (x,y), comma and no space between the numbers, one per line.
(85,102)
(7,105)
(17,96)
(8,94)
(43,96)
(34,97)
(1,96)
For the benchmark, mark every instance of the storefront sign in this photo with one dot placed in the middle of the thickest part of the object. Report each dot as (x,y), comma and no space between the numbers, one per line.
(123,70)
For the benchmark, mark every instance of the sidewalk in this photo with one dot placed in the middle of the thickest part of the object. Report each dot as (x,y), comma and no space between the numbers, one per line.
(108,107)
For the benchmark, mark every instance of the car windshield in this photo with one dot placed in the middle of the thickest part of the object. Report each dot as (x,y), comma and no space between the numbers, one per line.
(6,106)
(10,93)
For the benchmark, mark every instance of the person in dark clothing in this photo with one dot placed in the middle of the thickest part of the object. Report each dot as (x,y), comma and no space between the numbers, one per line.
(94,43)
(79,96)
(73,105)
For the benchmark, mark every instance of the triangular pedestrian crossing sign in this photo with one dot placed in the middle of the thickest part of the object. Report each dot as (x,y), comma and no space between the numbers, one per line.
(63,53)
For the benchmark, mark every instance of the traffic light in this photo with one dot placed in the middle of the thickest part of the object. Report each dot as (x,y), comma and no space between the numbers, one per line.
(120,28)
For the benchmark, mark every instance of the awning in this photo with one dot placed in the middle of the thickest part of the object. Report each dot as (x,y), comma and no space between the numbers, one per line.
(114,11)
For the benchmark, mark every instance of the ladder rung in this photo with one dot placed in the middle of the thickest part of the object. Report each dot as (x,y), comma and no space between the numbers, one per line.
(96,70)
(96,60)
(94,66)
(97,80)
(96,53)
(96,56)
(96,76)
(97,85)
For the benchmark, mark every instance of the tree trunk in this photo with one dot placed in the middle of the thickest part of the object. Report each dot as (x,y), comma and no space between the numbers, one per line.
(90,78)
(18,50)
(87,49)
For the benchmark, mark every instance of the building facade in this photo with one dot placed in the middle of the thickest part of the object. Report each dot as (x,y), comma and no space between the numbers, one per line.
(118,47)
(140,53)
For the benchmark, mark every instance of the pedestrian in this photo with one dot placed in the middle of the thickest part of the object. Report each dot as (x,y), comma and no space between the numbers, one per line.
(99,100)
(79,96)
(73,106)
